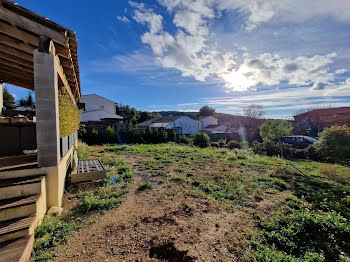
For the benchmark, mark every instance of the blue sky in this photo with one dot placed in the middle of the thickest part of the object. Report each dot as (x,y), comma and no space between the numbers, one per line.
(182,54)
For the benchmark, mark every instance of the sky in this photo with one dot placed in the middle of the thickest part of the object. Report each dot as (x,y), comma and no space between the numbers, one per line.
(157,55)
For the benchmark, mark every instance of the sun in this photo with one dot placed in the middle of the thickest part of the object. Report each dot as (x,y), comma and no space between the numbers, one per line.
(237,81)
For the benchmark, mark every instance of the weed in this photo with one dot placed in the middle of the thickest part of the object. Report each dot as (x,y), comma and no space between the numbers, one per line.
(301,235)
(145,186)
(271,182)
(52,231)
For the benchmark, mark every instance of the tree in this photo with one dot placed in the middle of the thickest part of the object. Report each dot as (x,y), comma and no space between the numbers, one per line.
(254,111)
(26,101)
(9,100)
(273,129)
(206,111)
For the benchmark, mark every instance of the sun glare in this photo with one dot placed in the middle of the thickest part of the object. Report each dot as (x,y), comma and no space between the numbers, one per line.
(237,81)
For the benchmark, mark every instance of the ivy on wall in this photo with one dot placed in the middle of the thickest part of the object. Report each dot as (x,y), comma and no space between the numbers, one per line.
(68,114)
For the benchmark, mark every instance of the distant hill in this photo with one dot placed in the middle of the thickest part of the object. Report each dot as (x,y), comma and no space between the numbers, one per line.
(176,113)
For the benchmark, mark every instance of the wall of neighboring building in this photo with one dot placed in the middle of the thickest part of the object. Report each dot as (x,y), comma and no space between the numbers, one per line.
(187,125)
(217,128)
(95,102)
(208,121)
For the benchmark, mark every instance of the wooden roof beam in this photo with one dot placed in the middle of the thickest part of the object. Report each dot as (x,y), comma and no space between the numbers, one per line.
(16,59)
(32,26)
(18,44)
(15,65)
(15,52)
(61,73)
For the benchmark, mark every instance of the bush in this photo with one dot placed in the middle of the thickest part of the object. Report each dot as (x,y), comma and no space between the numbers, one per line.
(271,148)
(201,139)
(214,144)
(334,144)
(172,135)
(92,137)
(109,136)
(233,144)
(222,142)
(184,140)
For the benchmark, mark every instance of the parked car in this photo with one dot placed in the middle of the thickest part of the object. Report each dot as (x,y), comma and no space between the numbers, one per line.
(298,141)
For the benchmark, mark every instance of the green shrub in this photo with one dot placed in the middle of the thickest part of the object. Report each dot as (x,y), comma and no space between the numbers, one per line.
(233,144)
(184,140)
(222,142)
(333,144)
(214,144)
(92,137)
(201,139)
(109,136)
(172,135)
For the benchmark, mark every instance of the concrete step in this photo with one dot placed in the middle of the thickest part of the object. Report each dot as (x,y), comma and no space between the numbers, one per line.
(16,228)
(18,207)
(18,187)
(18,250)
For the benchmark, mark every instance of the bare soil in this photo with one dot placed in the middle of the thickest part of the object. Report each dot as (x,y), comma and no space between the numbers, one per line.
(153,226)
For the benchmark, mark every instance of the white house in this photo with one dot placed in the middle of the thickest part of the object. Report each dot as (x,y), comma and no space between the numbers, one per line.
(210,123)
(181,123)
(97,108)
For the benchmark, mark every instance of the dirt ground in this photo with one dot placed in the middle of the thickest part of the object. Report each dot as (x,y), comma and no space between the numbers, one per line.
(153,226)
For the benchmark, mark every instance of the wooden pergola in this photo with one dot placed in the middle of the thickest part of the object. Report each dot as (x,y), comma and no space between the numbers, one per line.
(21,33)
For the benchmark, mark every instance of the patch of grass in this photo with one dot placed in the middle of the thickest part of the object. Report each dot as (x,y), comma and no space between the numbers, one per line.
(301,234)
(324,195)
(144,186)
(52,231)
(271,182)
(88,202)
(82,151)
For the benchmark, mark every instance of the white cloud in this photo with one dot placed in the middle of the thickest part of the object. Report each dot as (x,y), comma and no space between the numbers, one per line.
(190,47)
(123,19)
(270,69)
(296,11)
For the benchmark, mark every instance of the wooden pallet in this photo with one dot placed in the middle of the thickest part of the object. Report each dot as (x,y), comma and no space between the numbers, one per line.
(89,170)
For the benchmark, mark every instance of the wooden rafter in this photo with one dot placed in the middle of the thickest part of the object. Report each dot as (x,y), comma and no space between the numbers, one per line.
(32,26)
(20,33)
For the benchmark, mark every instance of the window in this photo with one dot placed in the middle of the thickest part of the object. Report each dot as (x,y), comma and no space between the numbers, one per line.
(178,130)
(288,140)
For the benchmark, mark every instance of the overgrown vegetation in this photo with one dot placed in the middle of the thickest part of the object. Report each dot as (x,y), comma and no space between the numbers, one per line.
(309,220)
(56,229)
(299,233)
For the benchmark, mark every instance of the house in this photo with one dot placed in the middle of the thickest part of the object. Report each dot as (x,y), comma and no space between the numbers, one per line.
(35,157)
(183,125)
(98,108)
(210,124)
(326,117)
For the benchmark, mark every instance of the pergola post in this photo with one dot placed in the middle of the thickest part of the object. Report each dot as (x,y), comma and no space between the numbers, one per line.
(47,118)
